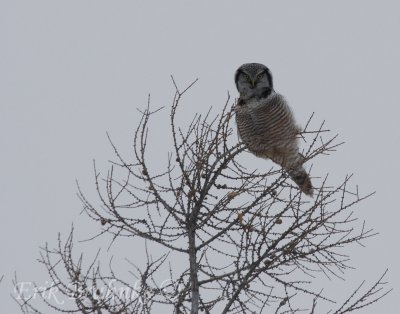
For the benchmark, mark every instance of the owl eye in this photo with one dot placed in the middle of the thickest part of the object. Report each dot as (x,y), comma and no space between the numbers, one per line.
(260,76)
(246,77)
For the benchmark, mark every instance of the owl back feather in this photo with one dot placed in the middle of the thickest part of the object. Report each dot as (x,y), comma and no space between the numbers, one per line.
(268,129)
(266,124)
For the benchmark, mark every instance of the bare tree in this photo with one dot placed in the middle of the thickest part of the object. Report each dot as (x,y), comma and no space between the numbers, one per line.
(251,241)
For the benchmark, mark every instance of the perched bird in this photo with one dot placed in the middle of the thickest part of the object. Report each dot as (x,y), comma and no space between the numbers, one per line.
(266,124)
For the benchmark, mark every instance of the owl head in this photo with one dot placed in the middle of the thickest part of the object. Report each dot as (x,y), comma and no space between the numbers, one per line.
(253,80)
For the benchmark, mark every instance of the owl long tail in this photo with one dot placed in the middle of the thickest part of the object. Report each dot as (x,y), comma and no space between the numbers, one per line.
(302,179)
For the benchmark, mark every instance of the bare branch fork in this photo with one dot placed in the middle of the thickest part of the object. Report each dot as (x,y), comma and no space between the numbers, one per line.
(249,240)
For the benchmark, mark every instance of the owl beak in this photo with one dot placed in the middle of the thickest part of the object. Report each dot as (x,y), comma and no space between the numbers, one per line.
(253,84)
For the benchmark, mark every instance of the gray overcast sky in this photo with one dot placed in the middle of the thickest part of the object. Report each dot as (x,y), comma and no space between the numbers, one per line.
(72,70)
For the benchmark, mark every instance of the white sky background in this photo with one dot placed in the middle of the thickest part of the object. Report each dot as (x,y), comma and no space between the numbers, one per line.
(72,70)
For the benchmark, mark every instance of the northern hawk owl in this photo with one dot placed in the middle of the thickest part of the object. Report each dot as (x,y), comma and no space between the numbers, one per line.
(266,124)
